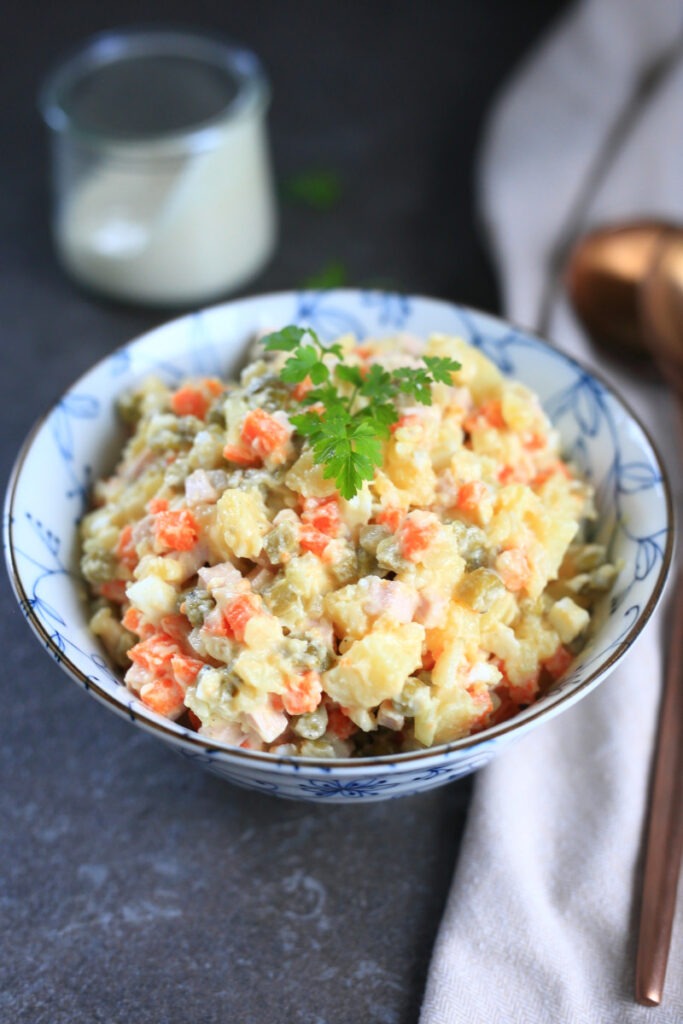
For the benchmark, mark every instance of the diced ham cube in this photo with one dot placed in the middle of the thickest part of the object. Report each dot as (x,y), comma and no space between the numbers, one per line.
(199,489)
(390,597)
(267,722)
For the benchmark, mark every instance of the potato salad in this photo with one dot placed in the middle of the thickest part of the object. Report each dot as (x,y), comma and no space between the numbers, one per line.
(387,570)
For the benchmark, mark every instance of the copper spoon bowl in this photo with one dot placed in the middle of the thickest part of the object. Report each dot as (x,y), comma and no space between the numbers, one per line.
(604,277)
(625,283)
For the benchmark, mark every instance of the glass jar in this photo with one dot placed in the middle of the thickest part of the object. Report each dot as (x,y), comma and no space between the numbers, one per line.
(162,184)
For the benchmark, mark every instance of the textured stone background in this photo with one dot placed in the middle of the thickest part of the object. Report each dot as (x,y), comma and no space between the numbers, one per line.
(133,886)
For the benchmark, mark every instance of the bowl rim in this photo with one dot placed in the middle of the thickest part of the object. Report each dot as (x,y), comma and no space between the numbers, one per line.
(182,736)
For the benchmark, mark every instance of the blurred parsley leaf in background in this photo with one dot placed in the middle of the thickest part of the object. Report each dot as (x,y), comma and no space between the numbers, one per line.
(320,189)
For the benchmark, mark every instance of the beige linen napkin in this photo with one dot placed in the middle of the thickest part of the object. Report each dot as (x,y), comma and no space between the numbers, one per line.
(540,925)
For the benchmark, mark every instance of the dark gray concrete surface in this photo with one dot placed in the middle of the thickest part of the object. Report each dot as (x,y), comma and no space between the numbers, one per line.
(133,886)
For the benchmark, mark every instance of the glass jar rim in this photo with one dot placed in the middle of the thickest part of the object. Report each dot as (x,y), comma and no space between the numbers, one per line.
(105,49)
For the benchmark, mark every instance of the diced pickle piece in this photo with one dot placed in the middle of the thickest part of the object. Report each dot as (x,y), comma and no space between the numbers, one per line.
(197,604)
(115,638)
(371,535)
(345,570)
(282,542)
(312,725)
(480,589)
(318,748)
(389,555)
(98,566)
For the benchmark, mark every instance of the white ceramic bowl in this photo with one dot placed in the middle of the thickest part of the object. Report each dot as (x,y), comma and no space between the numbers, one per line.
(79,438)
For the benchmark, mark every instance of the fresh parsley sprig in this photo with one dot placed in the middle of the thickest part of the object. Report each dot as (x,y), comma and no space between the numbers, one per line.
(353,411)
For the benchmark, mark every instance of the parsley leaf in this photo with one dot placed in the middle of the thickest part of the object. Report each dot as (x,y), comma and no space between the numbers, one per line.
(352,409)
(440,367)
(318,188)
(304,362)
(285,340)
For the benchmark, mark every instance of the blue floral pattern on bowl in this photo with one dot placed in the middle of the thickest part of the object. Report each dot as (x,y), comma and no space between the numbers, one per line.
(78,440)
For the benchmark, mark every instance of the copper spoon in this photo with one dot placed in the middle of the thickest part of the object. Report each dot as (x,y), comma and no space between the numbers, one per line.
(626,285)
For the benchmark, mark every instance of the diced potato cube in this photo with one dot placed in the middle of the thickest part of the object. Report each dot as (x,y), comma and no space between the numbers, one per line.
(264,674)
(242,521)
(344,608)
(308,579)
(477,372)
(568,619)
(376,667)
(262,631)
(410,469)
(153,596)
(521,409)
(164,567)
(307,478)
(450,664)
(115,638)
(458,712)
(356,511)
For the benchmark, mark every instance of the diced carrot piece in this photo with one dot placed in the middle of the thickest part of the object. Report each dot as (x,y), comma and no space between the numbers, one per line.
(185,669)
(176,626)
(113,590)
(525,692)
(428,661)
(340,724)
(534,441)
(558,663)
(216,624)
(521,472)
(194,720)
(391,518)
(556,468)
(493,411)
(301,389)
(176,530)
(489,414)
(404,421)
(313,540)
(322,514)
(240,454)
(513,568)
(189,401)
(262,433)
(302,693)
(240,611)
(507,707)
(416,537)
(470,496)
(154,653)
(157,505)
(520,693)
(481,698)
(135,622)
(213,386)
(125,548)
(132,620)
(163,695)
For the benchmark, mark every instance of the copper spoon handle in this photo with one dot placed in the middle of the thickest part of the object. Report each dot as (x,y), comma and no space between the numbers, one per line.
(665,826)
